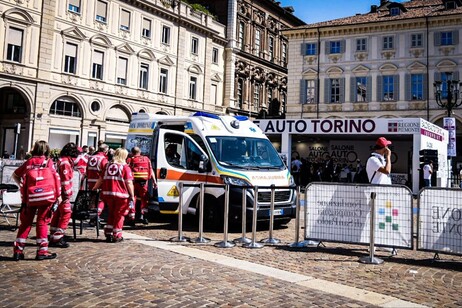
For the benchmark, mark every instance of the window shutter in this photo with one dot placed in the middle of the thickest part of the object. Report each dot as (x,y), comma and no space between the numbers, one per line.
(71,50)
(125,18)
(303,49)
(74,3)
(15,36)
(327,47)
(302,91)
(379,88)
(437,76)
(342,46)
(455,75)
(369,89)
(342,90)
(98,57)
(396,87)
(327,85)
(425,87)
(122,68)
(455,37)
(316,94)
(437,38)
(146,24)
(353,90)
(101,9)
(408,87)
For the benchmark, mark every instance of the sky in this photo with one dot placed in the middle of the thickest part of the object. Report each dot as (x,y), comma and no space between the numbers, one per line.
(312,11)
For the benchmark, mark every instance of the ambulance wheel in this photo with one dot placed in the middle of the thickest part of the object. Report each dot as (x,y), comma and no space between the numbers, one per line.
(280,222)
(213,213)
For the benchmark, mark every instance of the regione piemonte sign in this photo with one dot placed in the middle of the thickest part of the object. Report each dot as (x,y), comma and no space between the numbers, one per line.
(425,135)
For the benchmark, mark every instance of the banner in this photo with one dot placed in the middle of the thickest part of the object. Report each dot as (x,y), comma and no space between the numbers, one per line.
(449,124)
(341,213)
(440,217)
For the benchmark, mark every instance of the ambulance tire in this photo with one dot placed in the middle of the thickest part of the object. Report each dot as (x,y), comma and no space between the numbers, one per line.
(213,214)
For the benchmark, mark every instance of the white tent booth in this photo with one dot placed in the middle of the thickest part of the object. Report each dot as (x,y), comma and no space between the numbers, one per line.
(347,140)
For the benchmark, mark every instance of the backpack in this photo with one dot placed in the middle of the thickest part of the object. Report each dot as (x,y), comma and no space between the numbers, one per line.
(40,185)
(140,167)
(361,177)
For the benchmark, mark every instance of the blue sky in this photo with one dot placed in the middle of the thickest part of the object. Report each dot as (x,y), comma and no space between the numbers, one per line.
(311,11)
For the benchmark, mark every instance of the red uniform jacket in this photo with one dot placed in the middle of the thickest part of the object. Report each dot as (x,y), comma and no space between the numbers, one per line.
(114,181)
(66,173)
(95,168)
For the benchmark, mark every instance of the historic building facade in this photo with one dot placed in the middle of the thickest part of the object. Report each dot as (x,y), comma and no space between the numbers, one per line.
(75,70)
(379,64)
(256,55)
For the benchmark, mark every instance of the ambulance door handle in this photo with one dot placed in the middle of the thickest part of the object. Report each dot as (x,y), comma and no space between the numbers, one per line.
(163,173)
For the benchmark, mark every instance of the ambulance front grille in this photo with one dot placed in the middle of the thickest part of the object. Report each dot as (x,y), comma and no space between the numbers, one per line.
(279,196)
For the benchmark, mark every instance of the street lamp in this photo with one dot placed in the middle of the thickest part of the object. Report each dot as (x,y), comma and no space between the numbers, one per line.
(452,91)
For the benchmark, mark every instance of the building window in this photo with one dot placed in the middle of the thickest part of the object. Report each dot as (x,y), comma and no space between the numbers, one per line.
(417,84)
(335,47)
(310,49)
(144,76)
(70,58)
(124,20)
(240,94)
(361,89)
(444,84)
(213,94)
(74,6)
(163,78)
(101,11)
(14,48)
(310,86)
(65,108)
(334,90)
(284,54)
(193,87)
(195,45)
(240,37)
(416,40)
(122,64)
(388,88)
(395,11)
(388,42)
(361,44)
(446,38)
(215,55)
(256,96)
(166,35)
(271,48)
(97,68)
(451,5)
(257,42)
(146,31)
(95,106)
(270,96)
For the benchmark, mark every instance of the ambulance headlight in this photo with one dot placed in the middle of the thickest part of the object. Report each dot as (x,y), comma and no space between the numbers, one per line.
(229,180)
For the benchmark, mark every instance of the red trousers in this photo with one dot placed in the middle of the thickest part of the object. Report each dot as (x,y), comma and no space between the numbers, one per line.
(142,195)
(115,220)
(27,217)
(60,219)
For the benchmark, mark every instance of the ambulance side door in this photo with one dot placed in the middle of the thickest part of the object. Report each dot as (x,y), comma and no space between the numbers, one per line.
(178,160)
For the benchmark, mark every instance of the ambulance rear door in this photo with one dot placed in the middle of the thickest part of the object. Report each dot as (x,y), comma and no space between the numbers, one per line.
(179,159)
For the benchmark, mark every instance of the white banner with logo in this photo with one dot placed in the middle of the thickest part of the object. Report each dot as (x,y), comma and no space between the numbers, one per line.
(440,217)
(341,213)
(449,124)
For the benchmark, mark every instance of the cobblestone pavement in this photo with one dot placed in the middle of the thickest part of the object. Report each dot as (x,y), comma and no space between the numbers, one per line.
(94,273)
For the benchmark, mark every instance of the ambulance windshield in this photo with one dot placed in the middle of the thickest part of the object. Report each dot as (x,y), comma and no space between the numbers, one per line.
(245,152)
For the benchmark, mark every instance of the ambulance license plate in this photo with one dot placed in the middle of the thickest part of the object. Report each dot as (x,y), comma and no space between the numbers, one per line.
(278,212)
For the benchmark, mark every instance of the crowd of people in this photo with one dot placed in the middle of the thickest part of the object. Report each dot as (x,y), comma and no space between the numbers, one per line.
(46,184)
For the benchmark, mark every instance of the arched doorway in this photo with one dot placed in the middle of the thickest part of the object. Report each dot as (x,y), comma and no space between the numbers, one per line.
(117,121)
(14,123)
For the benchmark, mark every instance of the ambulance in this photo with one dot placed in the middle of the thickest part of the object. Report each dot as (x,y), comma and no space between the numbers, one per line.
(214,150)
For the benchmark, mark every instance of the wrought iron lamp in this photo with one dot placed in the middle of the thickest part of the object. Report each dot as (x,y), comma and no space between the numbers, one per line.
(448,98)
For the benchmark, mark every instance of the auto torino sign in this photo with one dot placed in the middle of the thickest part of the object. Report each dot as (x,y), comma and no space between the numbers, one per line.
(340,126)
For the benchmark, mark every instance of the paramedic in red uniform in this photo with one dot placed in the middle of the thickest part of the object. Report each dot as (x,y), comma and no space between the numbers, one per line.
(40,156)
(95,168)
(116,191)
(80,165)
(62,215)
(142,173)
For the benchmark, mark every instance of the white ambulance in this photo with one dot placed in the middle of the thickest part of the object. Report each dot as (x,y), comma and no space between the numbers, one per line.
(211,149)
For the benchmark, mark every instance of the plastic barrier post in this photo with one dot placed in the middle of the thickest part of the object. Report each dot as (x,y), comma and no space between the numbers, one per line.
(243,239)
(371,259)
(271,240)
(201,239)
(253,243)
(180,237)
(297,244)
(225,243)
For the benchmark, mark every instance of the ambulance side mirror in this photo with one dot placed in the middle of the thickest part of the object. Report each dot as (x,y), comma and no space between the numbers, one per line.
(203,163)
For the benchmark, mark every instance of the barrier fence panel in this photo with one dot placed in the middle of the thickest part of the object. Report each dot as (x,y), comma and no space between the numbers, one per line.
(341,213)
(440,220)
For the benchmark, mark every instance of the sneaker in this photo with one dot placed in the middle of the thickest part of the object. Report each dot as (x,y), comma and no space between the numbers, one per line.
(118,239)
(109,239)
(18,256)
(46,256)
(145,221)
(60,244)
